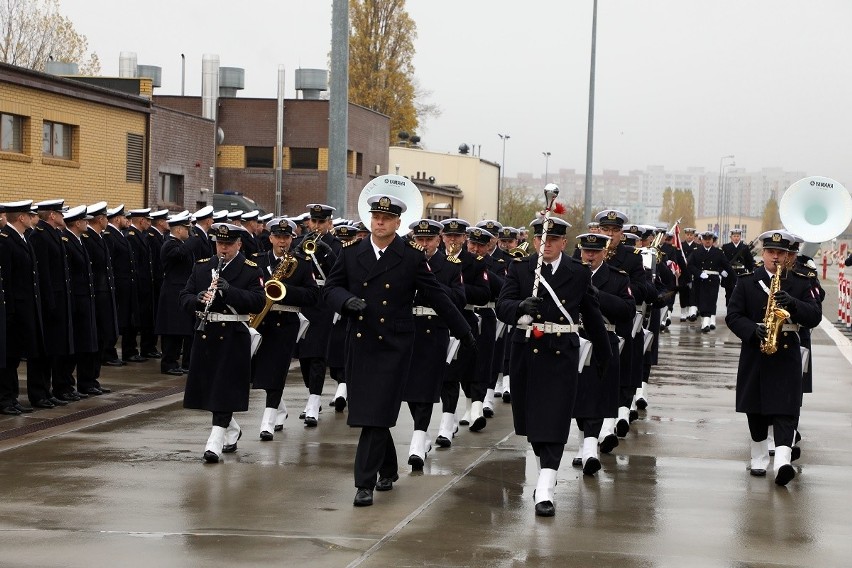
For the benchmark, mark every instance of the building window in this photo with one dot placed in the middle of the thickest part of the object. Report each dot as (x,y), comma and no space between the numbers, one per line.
(171,189)
(56,140)
(11,133)
(304,158)
(260,157)
(135,157)
(359,164)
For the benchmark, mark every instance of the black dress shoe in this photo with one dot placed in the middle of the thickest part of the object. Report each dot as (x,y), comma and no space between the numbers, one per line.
(577,462)
(443,442)
(487,412)
(114,363)
(339,404)
(795,453)
(310,421)
(57,402)
(136,359)
(279,427)
(21,408)
(757,472)
(10,411)
(231,448)
(386,483)
(68,397)
(641,403)
(610,442)
(177,371)
(44,403)
(545,509)
(79,394)
(363,497)
(183,370)
(785,474)
(105,390)
(622,427)
(92,391)
(592,466)
(211,457)
(634,415)
(416,462)
(152,354)
(266,436)
(507,396)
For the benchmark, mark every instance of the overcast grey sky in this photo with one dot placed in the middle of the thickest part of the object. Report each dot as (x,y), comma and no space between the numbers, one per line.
(679,82)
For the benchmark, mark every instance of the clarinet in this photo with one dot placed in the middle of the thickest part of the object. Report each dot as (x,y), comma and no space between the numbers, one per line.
(211,288)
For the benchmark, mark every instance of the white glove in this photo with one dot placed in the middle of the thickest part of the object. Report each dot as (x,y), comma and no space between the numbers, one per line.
(704,275)
(724,273)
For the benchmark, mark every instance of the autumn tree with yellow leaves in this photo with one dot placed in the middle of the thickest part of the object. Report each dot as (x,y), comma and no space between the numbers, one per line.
(381,69)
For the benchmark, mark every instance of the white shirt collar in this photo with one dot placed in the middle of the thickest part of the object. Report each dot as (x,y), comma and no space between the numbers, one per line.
(377,250)
(555,264)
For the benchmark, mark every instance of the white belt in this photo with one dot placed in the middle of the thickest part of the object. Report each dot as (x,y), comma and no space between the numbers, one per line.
(320,282)
(472,307)
(423,311)
(790,327)
(222,317)
(548,327)
(712,272)
(283,308)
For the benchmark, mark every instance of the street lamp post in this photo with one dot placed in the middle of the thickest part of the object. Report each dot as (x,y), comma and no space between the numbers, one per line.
(546,160)
(719,193)
(726,201)
(503,137)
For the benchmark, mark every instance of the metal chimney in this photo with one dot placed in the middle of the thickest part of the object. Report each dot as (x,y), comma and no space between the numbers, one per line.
(127,64)
(231,80)
(152,72)
(311,82)
(209,85)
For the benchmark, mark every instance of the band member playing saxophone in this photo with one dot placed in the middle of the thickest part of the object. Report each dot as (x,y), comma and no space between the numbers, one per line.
(289,284)
(766,311)
(220,366)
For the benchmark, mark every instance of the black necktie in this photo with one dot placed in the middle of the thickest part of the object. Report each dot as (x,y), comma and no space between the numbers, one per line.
(548,269)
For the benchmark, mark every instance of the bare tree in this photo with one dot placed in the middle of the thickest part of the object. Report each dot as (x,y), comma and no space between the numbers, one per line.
(33,32)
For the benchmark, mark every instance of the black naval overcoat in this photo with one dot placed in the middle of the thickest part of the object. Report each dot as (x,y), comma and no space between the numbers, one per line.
(200,244)
(770,384)
(628,259)
(544,370)
(279,329)
(220,364)
(144,275)
(597,397)
(104,283)
(55,280)
(19,269)
(707,289)
(82,294)
(177,261)
(477,291)
(316,340)
(431,335)
(126,284)
(380,341)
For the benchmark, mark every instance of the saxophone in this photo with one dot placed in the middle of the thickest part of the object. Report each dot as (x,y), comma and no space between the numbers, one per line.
(274,287)
(774,316)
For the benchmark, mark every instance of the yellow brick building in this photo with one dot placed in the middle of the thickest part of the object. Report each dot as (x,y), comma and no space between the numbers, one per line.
(63,138)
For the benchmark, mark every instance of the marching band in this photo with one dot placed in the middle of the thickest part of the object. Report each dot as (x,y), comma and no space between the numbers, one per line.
(398,312)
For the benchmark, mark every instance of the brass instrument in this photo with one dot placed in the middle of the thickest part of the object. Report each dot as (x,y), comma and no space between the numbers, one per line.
(274,288)
(774,316)
(309,243)
(521,250)
(453,251)
(611,249)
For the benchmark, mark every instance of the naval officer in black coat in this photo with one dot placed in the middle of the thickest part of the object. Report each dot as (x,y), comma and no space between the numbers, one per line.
(374,282)
(708,266)
(174,325)
(220,368)
(544,366)
(769,386)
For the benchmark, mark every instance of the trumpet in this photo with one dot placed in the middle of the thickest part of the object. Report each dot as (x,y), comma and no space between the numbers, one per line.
(309,243)
(521,250)
(211,289)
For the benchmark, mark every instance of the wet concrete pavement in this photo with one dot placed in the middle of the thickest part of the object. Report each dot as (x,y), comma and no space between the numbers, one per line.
(118,481)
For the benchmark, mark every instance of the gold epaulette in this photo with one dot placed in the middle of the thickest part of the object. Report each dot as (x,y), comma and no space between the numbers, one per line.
(4,235)
(414,245)
(352,242)
(39,228)
(131,232)
(203,260)
(479,257)
(453,259)
(251,263)
(106,232)
(501,260)
(804,274)
(636,251)
(65,239)
(85,235)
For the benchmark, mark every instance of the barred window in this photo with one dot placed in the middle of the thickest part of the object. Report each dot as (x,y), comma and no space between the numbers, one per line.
(135,157)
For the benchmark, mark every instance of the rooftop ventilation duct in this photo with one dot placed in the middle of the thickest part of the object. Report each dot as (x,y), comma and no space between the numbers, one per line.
(61,68)
(151,72)
(127,64)
(311,82)
(209,85)
(231,80)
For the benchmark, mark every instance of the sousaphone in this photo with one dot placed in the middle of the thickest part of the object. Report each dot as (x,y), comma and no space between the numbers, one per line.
(396,186)
(817,209)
